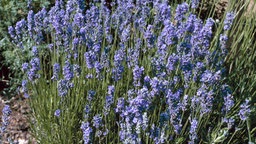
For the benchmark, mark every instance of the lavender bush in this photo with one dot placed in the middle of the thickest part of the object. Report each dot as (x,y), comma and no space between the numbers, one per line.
(141,72)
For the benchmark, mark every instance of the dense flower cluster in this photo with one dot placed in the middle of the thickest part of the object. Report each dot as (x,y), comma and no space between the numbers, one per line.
(138,67)
(6,112)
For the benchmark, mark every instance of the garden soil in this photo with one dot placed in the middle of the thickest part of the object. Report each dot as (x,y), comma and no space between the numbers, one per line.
(18,129)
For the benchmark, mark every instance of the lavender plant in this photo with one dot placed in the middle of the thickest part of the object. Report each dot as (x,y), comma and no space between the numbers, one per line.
(141,72)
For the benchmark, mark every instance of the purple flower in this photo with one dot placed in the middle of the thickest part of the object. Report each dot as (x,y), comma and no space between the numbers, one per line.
(192,131)
(137,74)
(35,51)
(206,77)
(91,94)
(167,37)
(230,122)
(229,20)
(80,5)
(184,102)
(163,12)
(142,101)
(117,72)
(20,27)
(105,133)
(57,113)
(244,110)
(90,57)
(35,67)
(6,112)
(89,76)
(105,62)
(24,85)
(111,90)
(171,63)
(31,22)
(97,121)
(181,10)
(194,4)
(68,71)
(109,101)
(157,86)
(98,67)
(35,63)
(77,70)
(164,117)
(63,87)
(190,23)
(39,18)
(87,130)
(29,4)
(150,37)
(147,80)
(26,95)
(223,44)
(79,19)
(120,105)
(228,103)
(205,98)
(50,47)
(25,67)
(154,132)
(56,70)
(126,34)
(87,109)
(11,31)
(133,54)
(207,29)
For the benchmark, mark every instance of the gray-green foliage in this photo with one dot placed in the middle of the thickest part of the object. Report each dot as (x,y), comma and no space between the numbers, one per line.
(10,12)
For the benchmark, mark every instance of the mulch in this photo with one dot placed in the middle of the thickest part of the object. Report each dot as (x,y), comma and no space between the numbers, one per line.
(18,129)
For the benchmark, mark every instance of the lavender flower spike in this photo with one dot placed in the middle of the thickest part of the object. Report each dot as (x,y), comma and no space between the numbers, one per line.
(228,20)
(5,118)
(194,4)
(244,110)
(181,10)
(87,130)
(56,70)
(192,132)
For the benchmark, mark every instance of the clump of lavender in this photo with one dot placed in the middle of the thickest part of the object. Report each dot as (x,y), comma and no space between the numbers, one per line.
(136,73)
